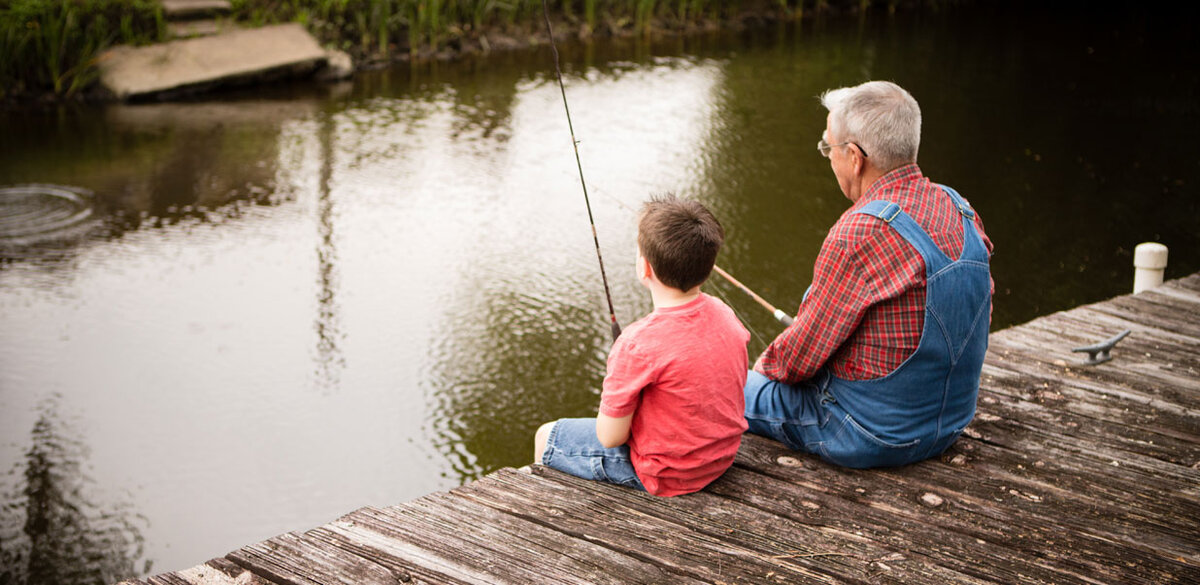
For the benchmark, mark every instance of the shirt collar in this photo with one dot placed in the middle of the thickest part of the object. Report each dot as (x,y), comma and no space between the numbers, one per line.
(894,178)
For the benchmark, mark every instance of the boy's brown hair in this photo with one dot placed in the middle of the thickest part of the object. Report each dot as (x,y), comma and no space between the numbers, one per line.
(680,238)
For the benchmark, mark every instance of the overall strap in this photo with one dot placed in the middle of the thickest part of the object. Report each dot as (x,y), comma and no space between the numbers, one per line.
(959,202)
(973,247)
(908,229)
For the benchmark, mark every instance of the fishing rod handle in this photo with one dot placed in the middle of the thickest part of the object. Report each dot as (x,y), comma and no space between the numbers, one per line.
(783,318)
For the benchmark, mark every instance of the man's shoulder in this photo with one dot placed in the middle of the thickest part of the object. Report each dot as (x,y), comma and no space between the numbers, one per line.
(855,229)
(907,187)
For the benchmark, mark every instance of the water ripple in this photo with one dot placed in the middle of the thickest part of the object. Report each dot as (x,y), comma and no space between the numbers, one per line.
(31,213)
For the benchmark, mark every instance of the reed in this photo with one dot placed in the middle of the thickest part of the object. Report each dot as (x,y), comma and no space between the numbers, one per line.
(372,27)
(54,45)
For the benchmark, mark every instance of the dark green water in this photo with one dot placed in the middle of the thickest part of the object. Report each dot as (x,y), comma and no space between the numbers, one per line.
(290,303)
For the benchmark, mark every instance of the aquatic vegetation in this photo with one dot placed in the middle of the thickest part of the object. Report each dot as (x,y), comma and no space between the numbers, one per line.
(380,28)
(54,45)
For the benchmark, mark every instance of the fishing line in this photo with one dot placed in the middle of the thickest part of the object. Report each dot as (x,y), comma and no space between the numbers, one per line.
(616,329)
(744,321)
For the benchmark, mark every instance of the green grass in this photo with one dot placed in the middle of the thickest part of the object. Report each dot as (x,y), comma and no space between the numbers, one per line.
(53,45)
(385,27)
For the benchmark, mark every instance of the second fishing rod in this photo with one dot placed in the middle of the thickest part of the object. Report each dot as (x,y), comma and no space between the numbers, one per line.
(616,328)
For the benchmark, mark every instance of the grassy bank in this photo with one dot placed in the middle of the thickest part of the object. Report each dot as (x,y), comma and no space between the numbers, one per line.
(51,48)
(379,29)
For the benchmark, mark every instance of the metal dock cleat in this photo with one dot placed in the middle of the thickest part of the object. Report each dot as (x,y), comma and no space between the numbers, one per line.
(1098,352)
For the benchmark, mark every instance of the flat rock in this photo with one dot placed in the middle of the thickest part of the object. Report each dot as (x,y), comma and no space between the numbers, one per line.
(233,57)
(186,29)
(191,8)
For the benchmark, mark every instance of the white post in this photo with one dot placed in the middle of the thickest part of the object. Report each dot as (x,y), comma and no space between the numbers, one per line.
(1149,260)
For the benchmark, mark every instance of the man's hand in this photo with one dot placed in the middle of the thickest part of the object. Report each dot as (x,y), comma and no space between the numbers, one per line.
(758,363)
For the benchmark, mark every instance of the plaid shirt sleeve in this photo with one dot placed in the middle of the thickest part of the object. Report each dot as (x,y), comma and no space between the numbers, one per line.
(837,302)
(865,311)
(864,314)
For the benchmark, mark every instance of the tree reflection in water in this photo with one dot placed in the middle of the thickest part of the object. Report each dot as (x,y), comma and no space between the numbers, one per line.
(51,529)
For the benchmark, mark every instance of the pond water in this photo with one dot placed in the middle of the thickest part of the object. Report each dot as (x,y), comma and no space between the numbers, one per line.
(248,314)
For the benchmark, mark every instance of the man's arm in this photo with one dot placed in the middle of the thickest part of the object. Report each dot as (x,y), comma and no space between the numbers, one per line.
(613,432)
(836,304)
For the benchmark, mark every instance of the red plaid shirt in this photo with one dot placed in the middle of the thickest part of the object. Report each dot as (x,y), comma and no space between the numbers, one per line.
(864,313)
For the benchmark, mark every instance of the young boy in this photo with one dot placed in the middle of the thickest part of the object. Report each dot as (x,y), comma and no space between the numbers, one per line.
(672,408)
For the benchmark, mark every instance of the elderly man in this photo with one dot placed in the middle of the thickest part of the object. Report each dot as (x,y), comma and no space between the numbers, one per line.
(881,365)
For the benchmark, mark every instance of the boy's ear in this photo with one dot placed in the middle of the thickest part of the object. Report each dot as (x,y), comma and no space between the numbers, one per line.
(644,268)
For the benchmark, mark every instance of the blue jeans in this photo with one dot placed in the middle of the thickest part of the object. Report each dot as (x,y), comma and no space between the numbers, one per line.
(807,417)
(789,414)
(573,448)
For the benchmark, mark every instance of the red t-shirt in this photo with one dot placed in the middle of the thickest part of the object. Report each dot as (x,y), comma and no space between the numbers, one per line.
(680,371)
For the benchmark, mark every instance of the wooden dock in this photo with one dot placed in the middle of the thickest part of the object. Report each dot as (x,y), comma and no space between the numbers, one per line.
(1069,474)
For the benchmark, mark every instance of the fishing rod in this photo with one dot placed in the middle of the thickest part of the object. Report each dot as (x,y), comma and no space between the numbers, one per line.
(780,315)
(616,329)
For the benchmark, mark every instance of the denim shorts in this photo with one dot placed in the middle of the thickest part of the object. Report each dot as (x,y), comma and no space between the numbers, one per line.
(573,448)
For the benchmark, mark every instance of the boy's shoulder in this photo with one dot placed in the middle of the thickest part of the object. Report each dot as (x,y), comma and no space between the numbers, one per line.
(705,311)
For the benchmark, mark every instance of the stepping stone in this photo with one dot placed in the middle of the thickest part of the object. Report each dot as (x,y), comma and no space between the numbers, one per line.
(183,9)
(186,29)
(236,57)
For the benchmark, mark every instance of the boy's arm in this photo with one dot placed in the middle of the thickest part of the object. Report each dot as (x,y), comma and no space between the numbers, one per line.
(613,432)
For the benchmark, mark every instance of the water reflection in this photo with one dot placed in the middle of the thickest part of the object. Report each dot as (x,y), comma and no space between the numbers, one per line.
(329,356)
(517,359)
(205,162)
(416,249)
(52,530)
(523,338)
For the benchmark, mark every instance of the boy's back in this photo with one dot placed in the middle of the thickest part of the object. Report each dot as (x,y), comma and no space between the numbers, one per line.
(680,370)
(672,412)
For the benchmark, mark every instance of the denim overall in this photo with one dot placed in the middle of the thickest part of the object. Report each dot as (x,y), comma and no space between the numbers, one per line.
(919,409)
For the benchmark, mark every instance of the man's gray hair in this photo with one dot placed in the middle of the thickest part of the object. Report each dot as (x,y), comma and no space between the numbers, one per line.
(879,116)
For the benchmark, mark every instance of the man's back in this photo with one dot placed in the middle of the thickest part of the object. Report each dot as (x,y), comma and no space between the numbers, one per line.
(881,365)
(864,313)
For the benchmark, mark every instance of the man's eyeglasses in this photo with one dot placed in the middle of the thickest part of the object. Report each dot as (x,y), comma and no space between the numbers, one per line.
(824,147)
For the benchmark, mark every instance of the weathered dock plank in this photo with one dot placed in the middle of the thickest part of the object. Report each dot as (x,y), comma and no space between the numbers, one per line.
(592,513)
(758,546)
(965,525)
(1070,474)
(485,545)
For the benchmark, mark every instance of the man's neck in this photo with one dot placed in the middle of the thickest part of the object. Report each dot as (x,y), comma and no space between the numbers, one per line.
(865,181)
(873,177)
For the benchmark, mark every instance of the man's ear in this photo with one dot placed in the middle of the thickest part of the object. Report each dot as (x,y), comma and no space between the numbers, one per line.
(860,161)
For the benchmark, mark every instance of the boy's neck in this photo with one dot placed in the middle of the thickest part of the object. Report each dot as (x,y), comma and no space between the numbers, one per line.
(665,296)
